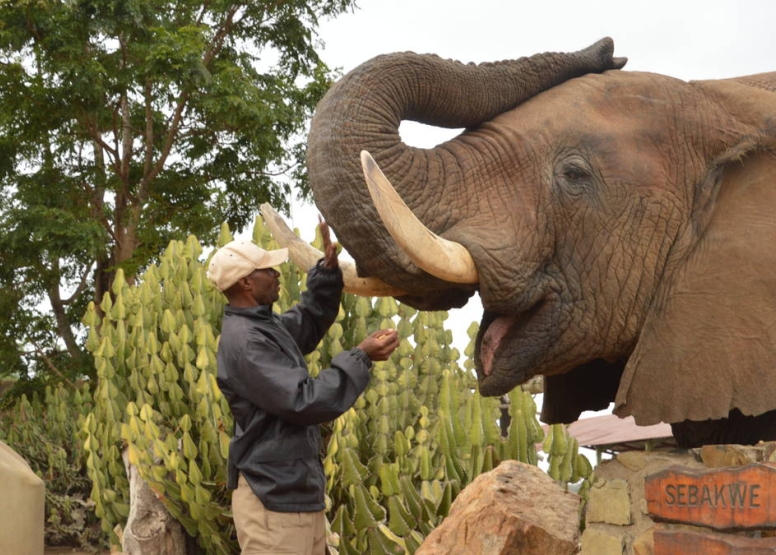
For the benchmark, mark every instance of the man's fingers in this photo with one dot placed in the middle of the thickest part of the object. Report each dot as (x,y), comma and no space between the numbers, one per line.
(389,340)
(380,344)
(324,227)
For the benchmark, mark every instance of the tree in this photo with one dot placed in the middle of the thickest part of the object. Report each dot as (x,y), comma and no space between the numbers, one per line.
(126,123)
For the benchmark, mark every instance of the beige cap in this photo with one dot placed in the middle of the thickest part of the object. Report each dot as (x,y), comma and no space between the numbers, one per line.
(237,259)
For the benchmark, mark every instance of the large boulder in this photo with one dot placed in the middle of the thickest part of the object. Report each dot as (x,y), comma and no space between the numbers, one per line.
(514,509)
(22,506)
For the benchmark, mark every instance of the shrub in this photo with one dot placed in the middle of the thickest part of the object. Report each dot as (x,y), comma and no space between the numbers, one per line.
(46,434)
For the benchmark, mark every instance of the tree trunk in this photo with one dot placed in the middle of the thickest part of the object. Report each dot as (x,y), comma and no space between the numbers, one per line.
(150,529)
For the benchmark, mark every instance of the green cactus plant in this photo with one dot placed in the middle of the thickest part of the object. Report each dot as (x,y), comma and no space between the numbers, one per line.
(154,350)
(421,434)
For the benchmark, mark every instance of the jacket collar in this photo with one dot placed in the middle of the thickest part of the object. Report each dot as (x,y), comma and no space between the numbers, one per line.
(259,311)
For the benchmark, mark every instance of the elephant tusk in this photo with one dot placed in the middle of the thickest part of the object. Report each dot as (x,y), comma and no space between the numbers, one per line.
(439,257)
(305,256)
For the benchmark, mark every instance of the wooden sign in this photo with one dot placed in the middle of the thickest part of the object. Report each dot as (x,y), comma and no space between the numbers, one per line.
(684,542)
(723,498)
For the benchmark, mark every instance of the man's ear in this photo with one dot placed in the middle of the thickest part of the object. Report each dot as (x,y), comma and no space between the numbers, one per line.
(244,284)
(237,288)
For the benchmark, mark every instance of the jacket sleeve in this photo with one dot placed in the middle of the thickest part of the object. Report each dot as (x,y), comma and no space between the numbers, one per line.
(271,380)
(308,320)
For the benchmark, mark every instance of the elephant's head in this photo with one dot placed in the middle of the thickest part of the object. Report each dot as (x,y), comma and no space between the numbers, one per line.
(619,226)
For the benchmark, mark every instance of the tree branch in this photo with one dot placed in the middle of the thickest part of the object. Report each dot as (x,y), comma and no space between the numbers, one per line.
(53,368)
(175,122)
(78,290)
(221,34)
(126,139)
(95,135)
(58,307)
(149,133)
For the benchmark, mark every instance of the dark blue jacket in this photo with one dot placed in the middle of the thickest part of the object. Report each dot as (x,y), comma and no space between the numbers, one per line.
(277,406)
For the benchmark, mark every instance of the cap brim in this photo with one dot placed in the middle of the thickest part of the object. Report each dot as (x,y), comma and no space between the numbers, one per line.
(275,258)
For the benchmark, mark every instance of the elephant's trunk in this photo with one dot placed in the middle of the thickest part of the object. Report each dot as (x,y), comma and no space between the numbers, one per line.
(363,112)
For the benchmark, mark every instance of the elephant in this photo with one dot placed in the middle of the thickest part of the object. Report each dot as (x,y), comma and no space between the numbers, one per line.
(618,226)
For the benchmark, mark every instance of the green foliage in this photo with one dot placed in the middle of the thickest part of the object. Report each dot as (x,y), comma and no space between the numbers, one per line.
(127,124)
(46,434)
(566,465)
(394,462)
(157,397)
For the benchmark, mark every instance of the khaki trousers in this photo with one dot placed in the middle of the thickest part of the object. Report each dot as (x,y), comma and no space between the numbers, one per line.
(264,532)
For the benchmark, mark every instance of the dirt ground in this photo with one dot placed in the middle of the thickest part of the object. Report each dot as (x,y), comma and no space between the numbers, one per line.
(70,551)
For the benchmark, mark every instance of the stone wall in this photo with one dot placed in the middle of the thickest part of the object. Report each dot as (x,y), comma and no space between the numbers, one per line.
(616,517)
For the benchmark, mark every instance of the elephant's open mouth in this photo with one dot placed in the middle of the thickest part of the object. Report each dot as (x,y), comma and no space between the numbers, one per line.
(492,330)
(505,356)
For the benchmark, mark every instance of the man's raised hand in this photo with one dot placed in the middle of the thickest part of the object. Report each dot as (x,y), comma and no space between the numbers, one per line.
(329,249)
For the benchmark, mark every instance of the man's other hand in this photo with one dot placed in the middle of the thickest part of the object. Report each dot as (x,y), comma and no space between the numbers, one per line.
(379,345)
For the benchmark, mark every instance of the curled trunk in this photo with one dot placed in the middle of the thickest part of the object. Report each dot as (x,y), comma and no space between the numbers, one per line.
(363,112)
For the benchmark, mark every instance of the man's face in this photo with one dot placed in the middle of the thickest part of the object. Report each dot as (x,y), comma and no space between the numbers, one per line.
(265,287)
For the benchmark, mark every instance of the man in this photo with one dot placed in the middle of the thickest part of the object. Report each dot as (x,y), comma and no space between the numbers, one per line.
(274,456)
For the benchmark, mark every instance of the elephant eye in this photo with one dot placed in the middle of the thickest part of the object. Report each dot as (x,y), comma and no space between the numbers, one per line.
(575,173)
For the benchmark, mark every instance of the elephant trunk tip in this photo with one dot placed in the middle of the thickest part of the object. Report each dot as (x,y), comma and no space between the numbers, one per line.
(603,53)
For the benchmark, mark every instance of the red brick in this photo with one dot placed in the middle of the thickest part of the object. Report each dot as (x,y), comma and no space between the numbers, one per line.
(682,542)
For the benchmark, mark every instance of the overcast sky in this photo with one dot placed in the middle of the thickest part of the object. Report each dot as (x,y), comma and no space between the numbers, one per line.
(687,39)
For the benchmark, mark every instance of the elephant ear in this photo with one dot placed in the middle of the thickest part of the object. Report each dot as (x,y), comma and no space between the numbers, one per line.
(708,344)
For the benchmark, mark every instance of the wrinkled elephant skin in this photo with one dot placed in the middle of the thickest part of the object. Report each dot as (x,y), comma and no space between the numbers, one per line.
(621,223)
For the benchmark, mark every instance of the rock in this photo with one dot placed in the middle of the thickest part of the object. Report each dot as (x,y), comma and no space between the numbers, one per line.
(150,529)
(644,544)
(716,456)
(633,460)
(597,541)
(514,509)
(609,502)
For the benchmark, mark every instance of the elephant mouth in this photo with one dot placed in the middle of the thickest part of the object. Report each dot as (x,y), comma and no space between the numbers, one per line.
(490,340)
(507,349)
